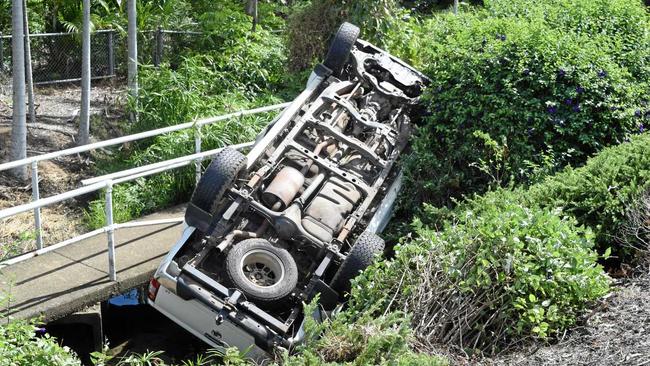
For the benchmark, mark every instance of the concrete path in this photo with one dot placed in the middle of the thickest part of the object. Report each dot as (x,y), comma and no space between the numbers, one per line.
(71,278)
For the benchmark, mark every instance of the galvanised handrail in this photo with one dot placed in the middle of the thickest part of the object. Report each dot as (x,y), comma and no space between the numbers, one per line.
(108,181)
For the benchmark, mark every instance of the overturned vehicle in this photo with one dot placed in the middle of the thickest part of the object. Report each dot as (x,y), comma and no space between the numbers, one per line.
(298,216)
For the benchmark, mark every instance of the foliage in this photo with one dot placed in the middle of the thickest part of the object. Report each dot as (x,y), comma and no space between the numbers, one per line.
(5,16)
(20,346)
(240,71)
(635,232)
(496,272)
(427,6)
(358,338)
(379,21)
(554,81)
(17,244)
(599,194)
(198,88)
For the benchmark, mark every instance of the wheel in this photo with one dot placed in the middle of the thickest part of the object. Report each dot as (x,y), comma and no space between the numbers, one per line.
(261,271)
(360,256)
(340,47)
(222,172)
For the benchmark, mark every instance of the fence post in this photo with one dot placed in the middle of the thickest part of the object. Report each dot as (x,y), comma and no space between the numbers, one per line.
(19,124)
(2,54)
(37,211)
(157,57)
(132,41)
(111,54)
(110,231)
(28,66)
(197,149)
(84,118)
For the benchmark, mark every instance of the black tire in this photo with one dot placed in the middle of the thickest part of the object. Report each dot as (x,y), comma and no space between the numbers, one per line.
(340,47)
(362,254)
(246,269)
(222,172)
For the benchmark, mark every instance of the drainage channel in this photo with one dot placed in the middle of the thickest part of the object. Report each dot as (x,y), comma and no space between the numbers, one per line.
(128,326)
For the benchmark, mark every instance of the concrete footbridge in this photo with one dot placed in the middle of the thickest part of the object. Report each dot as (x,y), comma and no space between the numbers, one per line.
(53,281)
(76,276)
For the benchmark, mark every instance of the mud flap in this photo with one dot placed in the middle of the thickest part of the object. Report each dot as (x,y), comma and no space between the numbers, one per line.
(197,218)
(328,297)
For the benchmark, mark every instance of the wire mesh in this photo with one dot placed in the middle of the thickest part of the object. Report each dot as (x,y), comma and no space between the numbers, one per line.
(56,57)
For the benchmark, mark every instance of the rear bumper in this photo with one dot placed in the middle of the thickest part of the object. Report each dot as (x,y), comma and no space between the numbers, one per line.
(202,322)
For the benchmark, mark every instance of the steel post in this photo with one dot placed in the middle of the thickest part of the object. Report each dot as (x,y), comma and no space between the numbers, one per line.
(37,211)
(111,54)
(84,118)
(28,66)
(157,59)
(2,54)
(197,149)
(19,124)
(110,231)
(133,48)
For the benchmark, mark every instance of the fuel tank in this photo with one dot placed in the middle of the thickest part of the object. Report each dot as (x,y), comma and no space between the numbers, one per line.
(326,212)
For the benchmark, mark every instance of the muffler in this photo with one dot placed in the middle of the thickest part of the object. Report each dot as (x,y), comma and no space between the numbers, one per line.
(283,189)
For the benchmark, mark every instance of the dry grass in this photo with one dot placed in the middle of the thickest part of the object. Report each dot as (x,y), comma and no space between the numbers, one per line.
(636,230)
(18,235)
(56,108)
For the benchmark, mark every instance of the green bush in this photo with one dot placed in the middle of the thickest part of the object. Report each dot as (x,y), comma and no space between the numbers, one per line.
(499,271)
(252,61)
(20,346)
(599,194)
(359,338)
(551,83)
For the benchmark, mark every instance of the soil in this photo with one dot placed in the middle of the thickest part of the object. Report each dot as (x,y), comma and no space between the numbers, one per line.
(55,128)
(616,332)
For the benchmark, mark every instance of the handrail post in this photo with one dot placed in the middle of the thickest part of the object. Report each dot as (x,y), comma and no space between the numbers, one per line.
(197,149)
(110,231)
(37,211)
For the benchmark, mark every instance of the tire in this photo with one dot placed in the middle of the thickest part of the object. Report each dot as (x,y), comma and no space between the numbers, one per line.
(340,47)
(262,272)
(222,172)
(359,258)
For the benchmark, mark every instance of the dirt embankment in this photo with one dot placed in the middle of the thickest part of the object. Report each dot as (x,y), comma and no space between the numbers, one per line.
(616,332)
(56,126)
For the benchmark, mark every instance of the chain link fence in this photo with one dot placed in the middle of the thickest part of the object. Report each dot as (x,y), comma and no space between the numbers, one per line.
(56,57)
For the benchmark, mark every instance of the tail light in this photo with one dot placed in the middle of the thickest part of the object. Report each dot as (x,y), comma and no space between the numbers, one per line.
(154,285)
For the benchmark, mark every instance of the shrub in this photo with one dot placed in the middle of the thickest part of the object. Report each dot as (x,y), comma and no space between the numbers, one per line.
(600,194)
(359,338)
(635,232)
(252,61)
(498,272)
(20,346)
(551,82)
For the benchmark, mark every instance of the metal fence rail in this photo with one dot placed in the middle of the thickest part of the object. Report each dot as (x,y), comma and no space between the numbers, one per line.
(108,181)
